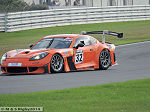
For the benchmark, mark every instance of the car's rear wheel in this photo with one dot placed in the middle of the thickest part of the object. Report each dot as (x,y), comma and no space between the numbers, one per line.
(57,63)
(104,59)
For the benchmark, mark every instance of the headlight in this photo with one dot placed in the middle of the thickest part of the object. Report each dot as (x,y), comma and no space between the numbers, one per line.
(4,58)
(40,56)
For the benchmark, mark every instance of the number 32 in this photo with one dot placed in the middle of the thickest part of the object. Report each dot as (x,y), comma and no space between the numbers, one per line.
(79,57)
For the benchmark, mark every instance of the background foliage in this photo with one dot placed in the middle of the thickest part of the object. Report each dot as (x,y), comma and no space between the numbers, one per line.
(19,5)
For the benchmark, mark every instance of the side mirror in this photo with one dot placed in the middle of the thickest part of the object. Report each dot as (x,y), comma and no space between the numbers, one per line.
(79,45)
(31,45)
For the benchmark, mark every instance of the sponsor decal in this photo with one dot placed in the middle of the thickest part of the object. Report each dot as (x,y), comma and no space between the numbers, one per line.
(71,52)
(68,39)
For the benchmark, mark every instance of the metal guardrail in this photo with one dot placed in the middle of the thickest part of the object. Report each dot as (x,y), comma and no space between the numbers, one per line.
(17,21)
(2,22)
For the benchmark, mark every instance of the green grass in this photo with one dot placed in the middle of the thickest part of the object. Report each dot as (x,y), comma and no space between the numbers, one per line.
(135,31)
(131,96)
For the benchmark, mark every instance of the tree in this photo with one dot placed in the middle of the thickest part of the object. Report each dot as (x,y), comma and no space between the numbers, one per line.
(12,5)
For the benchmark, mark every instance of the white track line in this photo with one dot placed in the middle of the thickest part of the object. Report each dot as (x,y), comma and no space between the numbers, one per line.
(133,44)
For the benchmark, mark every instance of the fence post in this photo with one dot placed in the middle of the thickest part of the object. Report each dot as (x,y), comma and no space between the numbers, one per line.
(6,22)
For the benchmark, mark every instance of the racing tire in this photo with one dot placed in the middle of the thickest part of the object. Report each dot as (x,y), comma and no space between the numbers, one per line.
(104,59)
(57,63)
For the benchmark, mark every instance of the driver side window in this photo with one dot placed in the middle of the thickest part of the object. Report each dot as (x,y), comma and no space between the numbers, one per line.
(85,40)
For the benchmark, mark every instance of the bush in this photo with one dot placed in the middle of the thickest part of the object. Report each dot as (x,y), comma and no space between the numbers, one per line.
(19,5)
(38,7)
(12,5)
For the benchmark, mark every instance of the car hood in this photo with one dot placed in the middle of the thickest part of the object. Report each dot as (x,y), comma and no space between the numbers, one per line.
(24,53)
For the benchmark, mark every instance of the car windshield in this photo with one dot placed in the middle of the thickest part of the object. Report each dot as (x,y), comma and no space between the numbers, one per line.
(54,43)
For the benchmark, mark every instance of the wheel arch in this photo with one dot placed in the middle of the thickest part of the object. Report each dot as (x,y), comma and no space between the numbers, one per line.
(62,58)
(104,49)
(100,54)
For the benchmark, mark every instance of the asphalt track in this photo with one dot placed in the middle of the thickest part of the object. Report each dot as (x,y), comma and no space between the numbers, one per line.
(133,63)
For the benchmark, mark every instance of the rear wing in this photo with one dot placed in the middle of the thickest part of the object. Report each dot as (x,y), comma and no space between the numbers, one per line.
(119,35)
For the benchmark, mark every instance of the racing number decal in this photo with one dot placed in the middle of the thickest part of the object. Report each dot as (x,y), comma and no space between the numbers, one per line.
(78,57)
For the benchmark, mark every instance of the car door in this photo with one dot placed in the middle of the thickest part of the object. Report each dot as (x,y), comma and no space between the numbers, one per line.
(83,56)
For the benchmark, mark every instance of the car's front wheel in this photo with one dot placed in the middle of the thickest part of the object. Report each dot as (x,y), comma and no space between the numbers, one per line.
(57,63)
(104,59)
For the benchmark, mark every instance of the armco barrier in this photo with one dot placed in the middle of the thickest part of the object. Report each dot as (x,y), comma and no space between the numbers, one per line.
(2,22)
(17,21)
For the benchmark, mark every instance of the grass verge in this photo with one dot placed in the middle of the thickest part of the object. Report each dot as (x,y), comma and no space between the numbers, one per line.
(131,96)
(134,31)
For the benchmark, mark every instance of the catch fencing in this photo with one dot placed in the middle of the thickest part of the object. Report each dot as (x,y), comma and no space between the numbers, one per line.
(10,22)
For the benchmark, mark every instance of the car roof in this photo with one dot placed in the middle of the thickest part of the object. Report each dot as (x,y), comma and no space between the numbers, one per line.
(64,35)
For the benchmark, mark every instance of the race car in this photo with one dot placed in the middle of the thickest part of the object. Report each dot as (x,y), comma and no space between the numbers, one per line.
(62,53)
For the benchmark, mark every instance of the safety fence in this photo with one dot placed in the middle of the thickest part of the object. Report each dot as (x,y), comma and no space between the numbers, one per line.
(10,22)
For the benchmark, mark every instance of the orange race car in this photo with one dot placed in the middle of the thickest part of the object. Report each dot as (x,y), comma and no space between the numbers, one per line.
(64,52)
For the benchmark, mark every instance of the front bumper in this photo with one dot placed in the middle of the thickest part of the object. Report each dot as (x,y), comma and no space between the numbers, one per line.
(27,67)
